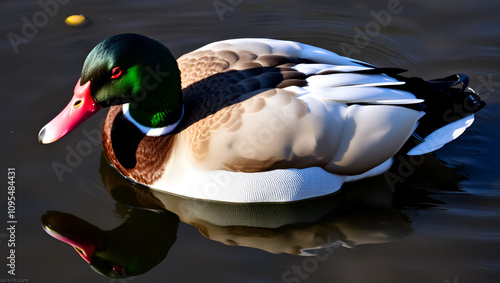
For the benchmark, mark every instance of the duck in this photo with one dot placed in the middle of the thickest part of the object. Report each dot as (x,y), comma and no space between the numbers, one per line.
(255,120)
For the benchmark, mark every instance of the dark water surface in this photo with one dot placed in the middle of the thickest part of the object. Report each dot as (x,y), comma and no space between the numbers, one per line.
(441,224)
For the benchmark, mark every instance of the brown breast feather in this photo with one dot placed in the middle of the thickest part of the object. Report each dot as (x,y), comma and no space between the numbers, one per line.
(131,152)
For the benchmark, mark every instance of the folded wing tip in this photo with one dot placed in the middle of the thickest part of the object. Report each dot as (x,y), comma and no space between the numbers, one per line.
(442,136)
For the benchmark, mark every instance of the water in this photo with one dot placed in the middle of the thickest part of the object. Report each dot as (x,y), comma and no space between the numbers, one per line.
(442,223)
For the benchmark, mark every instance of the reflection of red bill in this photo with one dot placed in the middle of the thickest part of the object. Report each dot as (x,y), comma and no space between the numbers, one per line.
(80,108)
(84,237)
(86,250)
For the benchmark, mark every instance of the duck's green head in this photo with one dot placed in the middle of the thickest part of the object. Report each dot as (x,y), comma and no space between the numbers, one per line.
(126,68)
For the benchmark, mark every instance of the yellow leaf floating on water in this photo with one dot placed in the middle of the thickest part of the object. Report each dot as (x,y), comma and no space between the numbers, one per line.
(76,20)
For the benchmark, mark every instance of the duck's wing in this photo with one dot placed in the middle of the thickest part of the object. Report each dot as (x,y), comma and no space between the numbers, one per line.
(259,104)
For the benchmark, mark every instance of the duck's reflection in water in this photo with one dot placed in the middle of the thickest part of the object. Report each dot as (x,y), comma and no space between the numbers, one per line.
(131,249)
(361,213)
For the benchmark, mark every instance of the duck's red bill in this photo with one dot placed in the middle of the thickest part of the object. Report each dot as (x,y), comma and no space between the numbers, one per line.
(79,109)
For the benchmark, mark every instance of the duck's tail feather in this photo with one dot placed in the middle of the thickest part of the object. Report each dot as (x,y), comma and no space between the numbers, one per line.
(449,106)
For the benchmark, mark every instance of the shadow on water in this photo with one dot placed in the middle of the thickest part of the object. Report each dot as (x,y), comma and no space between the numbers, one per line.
(370,211)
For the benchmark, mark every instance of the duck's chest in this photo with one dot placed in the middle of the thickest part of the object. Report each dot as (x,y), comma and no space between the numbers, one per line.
(134,154)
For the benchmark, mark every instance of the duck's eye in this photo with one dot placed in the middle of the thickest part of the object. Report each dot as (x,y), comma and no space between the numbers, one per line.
(116,72)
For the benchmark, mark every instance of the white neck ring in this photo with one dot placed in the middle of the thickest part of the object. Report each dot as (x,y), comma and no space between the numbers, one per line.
(154,132)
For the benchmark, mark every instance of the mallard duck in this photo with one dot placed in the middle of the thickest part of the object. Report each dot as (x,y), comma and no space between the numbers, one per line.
(257,120)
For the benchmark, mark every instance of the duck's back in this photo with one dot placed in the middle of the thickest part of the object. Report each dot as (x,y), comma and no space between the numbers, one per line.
(255,105)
